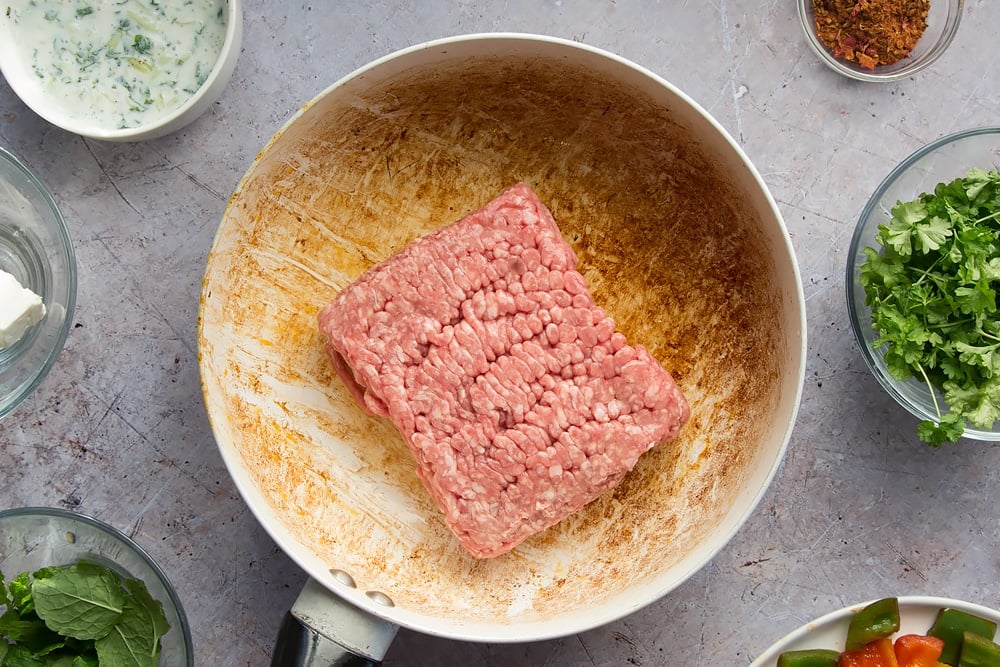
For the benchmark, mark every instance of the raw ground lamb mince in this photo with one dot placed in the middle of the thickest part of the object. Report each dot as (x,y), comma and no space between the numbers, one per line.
(519,400)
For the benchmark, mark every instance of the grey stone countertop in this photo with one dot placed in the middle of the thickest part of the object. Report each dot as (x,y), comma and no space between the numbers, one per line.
(859,508)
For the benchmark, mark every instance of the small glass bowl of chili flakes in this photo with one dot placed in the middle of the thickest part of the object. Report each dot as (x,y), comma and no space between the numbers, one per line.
(879,40)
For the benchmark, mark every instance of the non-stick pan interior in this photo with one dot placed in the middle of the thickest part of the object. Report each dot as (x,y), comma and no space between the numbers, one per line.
(676,236)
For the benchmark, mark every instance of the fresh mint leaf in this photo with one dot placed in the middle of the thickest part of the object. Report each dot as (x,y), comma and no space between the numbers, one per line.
(134,641)
(83,601)
(46,572)
(149,606)
(20,593)
(22,656)
(28,629)
(85,661)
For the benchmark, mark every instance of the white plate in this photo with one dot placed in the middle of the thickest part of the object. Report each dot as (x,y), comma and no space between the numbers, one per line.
(916,615)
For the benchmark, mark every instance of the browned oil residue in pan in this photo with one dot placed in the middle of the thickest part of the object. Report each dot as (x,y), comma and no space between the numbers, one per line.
(662,240)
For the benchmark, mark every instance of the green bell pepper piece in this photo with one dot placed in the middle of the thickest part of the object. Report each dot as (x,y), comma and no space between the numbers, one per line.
(816,657)
(878,620)
(978,651)
(949,626)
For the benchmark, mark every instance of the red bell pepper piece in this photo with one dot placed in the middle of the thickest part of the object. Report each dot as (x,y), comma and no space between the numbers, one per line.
(918,650)
(878,653)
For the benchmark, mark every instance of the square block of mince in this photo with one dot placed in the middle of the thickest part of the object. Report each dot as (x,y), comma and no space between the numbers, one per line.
(515,393)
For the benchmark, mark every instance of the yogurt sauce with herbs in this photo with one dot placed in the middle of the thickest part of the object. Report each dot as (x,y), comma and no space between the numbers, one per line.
(119,63)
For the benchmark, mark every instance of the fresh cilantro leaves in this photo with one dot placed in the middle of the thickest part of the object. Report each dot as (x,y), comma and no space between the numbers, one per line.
(79,615)
(932,293)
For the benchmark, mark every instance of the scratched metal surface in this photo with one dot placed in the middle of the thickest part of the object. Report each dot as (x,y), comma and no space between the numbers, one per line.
(859,508)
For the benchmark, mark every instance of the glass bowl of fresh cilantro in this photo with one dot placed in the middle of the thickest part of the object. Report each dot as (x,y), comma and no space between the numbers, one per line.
(922,278)
(77,592)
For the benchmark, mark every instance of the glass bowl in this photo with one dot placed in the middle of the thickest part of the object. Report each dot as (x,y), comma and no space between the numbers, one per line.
(942,24)
(941,161)
(36,537)
(36,249)
(61,99)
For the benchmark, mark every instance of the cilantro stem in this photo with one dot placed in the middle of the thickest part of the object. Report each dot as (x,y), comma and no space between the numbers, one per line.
(943,326)
(929,272)
(991,216)
(985,334)
(930,388)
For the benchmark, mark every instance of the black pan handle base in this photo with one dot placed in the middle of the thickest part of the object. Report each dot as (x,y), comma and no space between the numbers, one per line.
(324,630)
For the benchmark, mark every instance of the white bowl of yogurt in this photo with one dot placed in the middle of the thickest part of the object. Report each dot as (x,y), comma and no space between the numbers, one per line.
(119,70)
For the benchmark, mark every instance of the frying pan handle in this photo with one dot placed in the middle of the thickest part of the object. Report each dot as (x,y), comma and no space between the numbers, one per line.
(324,630)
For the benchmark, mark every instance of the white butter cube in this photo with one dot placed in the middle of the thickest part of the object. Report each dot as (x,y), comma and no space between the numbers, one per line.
(20,309)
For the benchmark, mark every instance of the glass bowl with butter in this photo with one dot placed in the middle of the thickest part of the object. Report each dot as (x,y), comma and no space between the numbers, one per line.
(37,282)
(128,70)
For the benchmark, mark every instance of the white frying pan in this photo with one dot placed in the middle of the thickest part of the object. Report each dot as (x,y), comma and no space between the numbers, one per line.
(678,238)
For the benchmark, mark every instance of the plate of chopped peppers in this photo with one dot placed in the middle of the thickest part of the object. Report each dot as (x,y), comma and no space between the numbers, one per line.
(909,631)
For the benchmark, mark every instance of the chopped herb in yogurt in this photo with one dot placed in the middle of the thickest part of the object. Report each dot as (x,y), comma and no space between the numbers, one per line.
(119,63)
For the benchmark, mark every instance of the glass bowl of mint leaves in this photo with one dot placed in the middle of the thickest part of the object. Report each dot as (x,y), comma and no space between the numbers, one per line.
(78,593)
(923,273)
